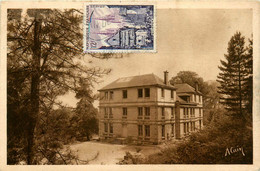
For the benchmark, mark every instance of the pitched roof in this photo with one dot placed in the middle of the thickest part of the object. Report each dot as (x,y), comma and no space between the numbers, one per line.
(185,88)
(178,98)
(136,81)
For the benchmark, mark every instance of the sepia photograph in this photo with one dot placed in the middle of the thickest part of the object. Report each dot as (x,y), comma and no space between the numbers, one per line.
(130,84)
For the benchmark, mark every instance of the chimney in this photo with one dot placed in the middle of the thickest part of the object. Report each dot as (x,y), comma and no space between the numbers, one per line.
(196,86)
(166,77)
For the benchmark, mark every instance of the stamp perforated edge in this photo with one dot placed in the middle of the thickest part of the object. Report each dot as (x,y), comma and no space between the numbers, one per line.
(85,27)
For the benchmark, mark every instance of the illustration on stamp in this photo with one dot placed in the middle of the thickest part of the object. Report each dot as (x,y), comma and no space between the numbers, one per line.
(118,28)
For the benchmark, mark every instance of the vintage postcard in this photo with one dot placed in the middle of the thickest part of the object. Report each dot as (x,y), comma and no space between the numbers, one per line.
(112,85)
(119,28)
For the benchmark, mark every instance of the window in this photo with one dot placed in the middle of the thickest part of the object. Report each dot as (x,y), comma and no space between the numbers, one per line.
(111,128)
(200,123)
(111,94)
(173,130)
(106,95)
(124,94)
(199,98)
(147,130)
(184,112)
(105,127)
(172,112)
(140,130)
(163,113)
(193,126)
(147,92)
(200,112)
(162,92)
(124,112)
(172,94)
(110,113)
(163,131)
(147,112)
(140,111)
(188,127)
(140,93)
(188,99)
(184,128)
(106,112)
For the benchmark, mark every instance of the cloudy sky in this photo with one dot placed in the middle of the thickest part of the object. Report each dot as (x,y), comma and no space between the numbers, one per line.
(187,40)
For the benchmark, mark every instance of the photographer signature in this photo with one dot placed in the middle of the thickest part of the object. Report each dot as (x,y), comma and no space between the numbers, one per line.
(232,150)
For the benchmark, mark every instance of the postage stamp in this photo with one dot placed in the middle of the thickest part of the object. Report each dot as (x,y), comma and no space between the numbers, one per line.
(119,28)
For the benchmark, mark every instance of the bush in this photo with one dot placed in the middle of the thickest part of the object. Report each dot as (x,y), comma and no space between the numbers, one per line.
(209,146)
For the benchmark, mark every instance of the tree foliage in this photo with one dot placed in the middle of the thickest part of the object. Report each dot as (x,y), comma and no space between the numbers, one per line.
(235,78)
(209,145)
(44,60)
(230,127)
(208,89)
(85,112)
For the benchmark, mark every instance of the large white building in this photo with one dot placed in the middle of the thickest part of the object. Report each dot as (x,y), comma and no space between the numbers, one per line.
(147,108)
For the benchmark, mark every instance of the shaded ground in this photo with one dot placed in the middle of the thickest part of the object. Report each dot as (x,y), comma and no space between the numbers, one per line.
(104,153)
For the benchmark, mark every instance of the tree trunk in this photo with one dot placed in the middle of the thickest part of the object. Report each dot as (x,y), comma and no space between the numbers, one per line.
(34,97)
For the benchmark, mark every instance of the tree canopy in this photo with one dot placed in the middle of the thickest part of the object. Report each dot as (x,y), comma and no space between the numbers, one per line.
(45,59)
(235,77)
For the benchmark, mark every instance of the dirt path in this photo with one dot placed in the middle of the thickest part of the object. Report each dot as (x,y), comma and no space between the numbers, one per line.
(104,153)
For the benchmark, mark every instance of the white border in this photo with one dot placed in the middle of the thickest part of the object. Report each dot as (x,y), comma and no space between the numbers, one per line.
(160,5)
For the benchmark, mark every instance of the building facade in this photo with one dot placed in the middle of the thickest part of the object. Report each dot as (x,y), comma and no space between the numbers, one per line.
(149,109)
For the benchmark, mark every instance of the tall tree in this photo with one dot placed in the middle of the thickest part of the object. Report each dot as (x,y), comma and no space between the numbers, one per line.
(248,84)
(85,112)
(234,72)
(44,60)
